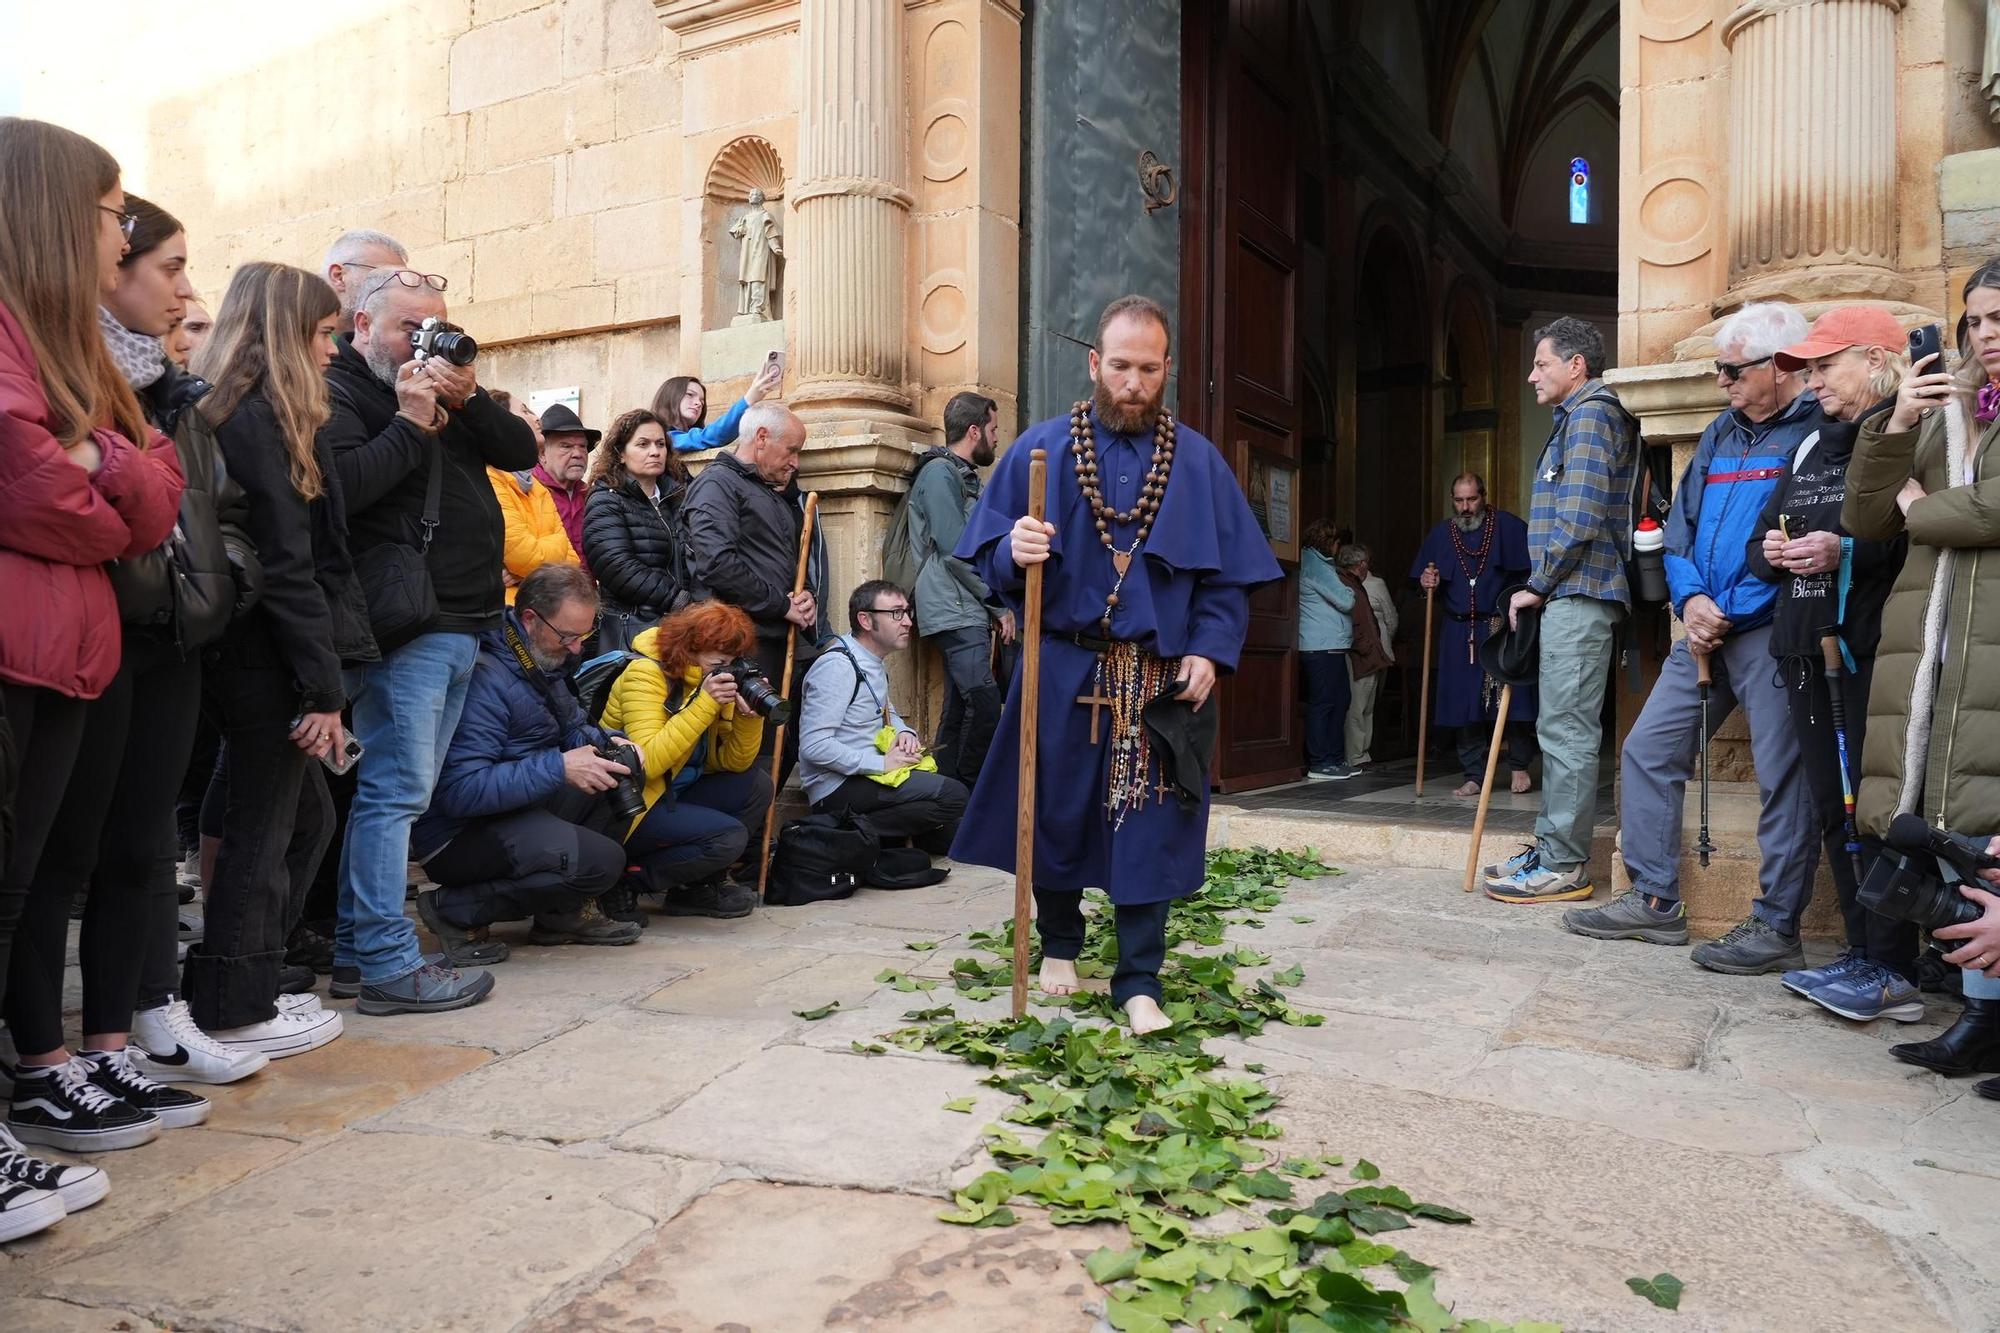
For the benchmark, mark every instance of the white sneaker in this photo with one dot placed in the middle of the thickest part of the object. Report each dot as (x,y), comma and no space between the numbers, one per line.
(167,1047)
(76,1187)
(189,869)
(306,1002)
(291,1032)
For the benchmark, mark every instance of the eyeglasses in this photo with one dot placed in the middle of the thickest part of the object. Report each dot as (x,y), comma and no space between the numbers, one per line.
(127,222)
(563,636)
(893,612)
(409,277)
(1733,370)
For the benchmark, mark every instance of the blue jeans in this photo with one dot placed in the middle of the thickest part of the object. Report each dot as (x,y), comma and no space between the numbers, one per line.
(1978,985)
(406,707)
(1575,663)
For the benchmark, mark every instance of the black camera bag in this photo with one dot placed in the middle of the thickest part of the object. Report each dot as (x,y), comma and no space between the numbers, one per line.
(396,582)
(821,858)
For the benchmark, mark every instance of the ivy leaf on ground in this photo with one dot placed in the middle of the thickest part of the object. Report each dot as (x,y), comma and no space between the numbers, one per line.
(1372,1219)
(1363,1169)
(1437,1212)
(868,1048)
(814,1015)
(1662,1289)
(921,946)
(1291,976)
(964,1104)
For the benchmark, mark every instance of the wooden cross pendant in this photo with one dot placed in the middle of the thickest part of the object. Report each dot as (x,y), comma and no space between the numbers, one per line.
(1163,789)
(1098,703)
(1121,561)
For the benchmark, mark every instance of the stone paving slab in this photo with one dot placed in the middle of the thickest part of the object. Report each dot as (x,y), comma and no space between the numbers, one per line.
(1395,1052)
(818,1117)
(1634,1023)
(31,1316)
(382,1232)
(777,984)
(324,1091)
(1476,995)
(713,1268)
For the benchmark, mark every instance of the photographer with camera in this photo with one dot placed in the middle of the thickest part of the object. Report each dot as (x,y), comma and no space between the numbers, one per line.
(1928,467)
(411,434)
(845,718)
(695,705)
(527,807)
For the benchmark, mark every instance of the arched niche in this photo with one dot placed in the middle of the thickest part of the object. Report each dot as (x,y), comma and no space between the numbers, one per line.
(745,164)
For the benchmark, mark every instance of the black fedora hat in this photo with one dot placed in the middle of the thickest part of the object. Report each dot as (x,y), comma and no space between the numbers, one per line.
(559,417)
(1513,656)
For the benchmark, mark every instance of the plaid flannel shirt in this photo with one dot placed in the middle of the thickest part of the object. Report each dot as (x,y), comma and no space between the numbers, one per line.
(1582,505)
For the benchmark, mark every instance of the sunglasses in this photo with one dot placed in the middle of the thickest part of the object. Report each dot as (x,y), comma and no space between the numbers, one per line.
(1733,370)
(127,222)
(409,277)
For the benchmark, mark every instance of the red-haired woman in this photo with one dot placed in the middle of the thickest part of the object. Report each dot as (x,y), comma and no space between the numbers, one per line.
(704,788)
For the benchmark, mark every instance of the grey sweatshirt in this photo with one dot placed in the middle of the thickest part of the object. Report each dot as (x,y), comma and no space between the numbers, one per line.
(838,721)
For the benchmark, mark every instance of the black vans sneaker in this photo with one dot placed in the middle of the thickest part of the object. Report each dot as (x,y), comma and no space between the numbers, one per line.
(25,1211)
(77,1186)
(113,1072)
(61,1107)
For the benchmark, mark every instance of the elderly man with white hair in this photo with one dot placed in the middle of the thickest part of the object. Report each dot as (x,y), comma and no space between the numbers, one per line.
(357,256)
(1728,612)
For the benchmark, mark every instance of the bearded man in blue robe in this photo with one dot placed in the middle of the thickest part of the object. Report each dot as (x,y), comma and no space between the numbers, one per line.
(1150,553)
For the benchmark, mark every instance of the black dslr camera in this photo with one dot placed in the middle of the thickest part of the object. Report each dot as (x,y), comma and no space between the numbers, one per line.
(1906,884)
(755,689)
(628,798)
(447,342)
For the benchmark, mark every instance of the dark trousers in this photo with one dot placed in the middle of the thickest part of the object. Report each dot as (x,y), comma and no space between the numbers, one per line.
(276,826)
(194,785)
(972,701)
(1476,739)
(48,731)
(771,657)
(1142,939)
(547,860)
(113,837)
(1327,691)
(699,833)
(925,808)
(1879,938)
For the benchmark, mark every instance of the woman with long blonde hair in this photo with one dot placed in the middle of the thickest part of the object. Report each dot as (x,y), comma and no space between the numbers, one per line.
(278,691)
(83,480)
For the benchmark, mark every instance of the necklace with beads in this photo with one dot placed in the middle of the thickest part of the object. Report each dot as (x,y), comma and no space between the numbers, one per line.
(1472,564)
(1083,450)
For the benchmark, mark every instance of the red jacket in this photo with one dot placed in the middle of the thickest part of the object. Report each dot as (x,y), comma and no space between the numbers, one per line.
(58,525)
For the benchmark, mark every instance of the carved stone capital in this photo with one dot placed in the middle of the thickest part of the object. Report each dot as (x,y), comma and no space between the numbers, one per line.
(704,24)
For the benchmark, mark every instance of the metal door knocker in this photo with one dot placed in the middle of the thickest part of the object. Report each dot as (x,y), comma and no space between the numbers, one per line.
(1156,181)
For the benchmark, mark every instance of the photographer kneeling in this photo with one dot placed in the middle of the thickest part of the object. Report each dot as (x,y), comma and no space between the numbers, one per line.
(518,825)
(856,755)
(685,705)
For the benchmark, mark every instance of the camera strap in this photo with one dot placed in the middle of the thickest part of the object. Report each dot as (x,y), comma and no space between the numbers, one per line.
(433,496)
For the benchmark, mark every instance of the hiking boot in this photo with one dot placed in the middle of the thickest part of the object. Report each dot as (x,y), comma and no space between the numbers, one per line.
(1527,858)
(1969,1046)
(60,1106)
(1537,883)
(295,980)
(1805,980)
(345,983)
(168,1047)
(1629,917)
(309,947)
(586,925)
(1868,992)
(114,1072)
(621,902)
(460,946)
(431,989)
(1750,949)
(720,898)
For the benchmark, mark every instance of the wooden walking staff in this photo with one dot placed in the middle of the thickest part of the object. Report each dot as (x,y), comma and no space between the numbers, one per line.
(1031,701)
(1486,787)
(785,692)
(1424,687)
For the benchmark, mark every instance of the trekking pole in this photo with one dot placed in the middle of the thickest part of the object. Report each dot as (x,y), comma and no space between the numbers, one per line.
(1486,787)
(1424,687)
(1031,700)
(1703,683)
(785,692)
(1829,647)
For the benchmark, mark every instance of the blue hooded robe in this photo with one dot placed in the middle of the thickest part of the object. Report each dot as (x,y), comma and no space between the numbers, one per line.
(1187,592)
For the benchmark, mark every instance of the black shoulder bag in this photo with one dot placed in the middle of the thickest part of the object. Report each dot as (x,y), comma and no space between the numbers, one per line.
(402,604)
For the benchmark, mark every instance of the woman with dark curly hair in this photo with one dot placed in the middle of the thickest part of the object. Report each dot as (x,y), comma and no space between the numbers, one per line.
(632,539)
(704,789)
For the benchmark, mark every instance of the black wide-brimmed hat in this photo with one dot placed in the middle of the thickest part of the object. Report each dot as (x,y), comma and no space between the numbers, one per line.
(1183,738)
(1513,656)
(559,418)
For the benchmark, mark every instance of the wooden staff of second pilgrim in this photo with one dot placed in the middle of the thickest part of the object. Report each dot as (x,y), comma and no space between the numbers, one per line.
(1150,553)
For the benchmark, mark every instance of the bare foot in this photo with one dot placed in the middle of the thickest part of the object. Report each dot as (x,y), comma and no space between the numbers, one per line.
(1520,784)
(1469,789)
(1143,1012)
(1057,977)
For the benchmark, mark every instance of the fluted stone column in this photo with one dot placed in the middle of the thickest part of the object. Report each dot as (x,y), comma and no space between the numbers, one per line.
(851,211)
(1812,150)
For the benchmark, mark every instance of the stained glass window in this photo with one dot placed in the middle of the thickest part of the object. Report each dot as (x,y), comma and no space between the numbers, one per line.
(1579,190)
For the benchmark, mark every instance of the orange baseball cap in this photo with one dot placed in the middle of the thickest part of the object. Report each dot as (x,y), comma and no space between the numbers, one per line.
(1841,328)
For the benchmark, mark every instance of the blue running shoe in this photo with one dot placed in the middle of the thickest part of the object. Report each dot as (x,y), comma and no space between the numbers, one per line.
(1869,992)
(1526,859)
(1809,979)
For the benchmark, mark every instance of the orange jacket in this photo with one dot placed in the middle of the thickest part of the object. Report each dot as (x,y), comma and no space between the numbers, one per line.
(535,535)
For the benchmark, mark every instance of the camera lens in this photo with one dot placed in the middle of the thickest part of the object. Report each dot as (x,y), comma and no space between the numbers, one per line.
(458,348)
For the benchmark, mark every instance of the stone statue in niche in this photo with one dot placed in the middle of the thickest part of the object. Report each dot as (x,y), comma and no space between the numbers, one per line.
(760,247)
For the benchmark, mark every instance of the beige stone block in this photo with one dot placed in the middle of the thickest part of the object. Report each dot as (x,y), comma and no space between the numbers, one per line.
(540,125)
(499,200)
(544,257)
(582,37)
(62,1317)
(633,33)
(489,11)
(436,152)
(510,58)
(1969,181)
(637,361)
(497,320)
(621,172)
(651,295)
(325,1091)
(643,237)
(1680,120)
(740,84)
(453,259)
(1695,57)
(648,98)
(573,309)
(414,217)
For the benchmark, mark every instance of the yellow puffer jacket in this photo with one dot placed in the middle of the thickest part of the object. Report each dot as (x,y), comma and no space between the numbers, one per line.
(535,535)
(666,738)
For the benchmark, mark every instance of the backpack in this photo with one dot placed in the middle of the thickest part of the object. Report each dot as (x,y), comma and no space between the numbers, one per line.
(594,679)
(901,563)
(1652,487)
(821,858)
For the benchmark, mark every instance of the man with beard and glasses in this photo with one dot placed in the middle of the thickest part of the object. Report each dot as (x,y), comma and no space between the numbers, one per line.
(1150,553)
(1476,556)
(520,825)
(956,611)
(397,422)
